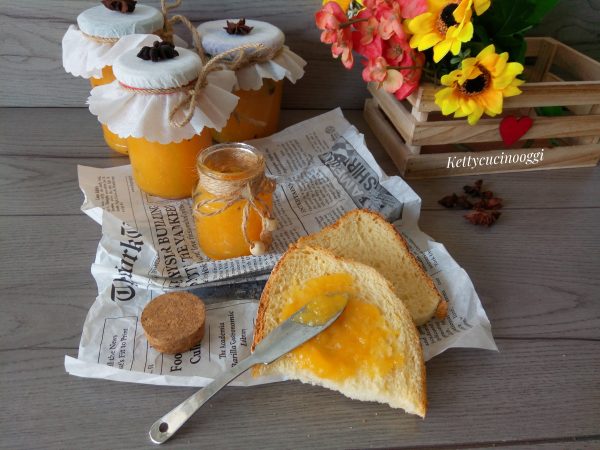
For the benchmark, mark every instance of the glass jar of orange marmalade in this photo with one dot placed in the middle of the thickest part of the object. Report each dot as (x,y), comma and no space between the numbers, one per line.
(112,140)
(233,202)
(259,83)
(98,42)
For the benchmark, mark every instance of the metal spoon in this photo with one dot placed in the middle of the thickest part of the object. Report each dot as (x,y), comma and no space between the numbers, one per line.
(283,339)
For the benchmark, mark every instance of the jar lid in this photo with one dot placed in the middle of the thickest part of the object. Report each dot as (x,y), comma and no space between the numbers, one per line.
(169,73)
(216,40)
(102,22)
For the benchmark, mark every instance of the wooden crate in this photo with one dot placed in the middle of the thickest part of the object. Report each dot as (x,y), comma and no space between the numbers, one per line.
(425,144)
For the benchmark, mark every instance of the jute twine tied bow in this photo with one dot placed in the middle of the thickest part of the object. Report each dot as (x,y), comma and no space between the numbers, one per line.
(232,59)
(225,192)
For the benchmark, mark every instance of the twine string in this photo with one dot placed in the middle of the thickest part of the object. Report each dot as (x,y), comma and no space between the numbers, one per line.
(195,35)
(167,31)
(232,59)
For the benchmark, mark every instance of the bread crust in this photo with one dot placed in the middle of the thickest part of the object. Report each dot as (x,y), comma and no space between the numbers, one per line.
(441,310)
(259,329)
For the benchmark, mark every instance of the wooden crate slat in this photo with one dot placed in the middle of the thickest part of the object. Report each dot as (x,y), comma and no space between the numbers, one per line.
(436,165)
(386,134)
(487,130)
(534,94)
(581,66)
(405,127)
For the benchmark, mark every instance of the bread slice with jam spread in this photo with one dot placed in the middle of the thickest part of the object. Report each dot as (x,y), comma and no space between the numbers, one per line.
(371,353)
(366,237)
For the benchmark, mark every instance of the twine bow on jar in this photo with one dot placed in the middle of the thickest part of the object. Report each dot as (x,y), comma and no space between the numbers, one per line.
(224,191)
(232,59)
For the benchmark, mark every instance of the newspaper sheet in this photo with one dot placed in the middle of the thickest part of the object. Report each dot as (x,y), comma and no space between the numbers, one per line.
(148,246)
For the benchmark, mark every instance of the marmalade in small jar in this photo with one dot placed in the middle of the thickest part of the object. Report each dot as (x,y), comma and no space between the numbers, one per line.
(232,185)
(115,142)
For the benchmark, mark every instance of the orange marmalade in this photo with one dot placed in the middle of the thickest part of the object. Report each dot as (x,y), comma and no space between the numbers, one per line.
(359,342)
(218,226)
(167,170)
(112,140)
(256,114)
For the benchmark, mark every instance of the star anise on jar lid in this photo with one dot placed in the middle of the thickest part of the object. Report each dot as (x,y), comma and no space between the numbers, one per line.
(238,27)
(158,52)
(122,6)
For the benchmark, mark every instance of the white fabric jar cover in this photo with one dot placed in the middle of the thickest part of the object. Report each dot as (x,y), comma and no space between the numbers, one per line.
(85,57)
(285,64)
(146,115)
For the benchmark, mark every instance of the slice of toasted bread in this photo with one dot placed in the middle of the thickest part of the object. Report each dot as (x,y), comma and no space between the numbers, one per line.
(403,386)
(368,238)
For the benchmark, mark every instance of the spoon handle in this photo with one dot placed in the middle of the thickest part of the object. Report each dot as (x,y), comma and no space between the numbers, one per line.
(167,425)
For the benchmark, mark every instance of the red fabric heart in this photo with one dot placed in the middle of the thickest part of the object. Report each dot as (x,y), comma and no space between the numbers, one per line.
(513,129)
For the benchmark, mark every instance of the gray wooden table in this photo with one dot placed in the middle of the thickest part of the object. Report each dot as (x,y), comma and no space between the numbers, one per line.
(536,272)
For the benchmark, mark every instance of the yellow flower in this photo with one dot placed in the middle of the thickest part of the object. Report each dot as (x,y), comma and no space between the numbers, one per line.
(445,26)
(479,86)
(344,4)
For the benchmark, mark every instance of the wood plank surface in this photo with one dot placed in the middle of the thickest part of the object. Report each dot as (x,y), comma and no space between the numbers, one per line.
(50,409)
(31,72)
(535,271)
(35,152)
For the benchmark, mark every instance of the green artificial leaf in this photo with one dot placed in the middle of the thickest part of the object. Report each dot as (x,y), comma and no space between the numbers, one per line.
(542,7)
(550,111)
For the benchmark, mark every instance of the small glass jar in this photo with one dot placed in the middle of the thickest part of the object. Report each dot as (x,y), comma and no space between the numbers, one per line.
(259,82)
(233,202)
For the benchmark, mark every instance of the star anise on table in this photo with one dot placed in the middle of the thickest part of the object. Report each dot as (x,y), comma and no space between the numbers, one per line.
(484,211)
(158,52)
(122,6)
(238,27)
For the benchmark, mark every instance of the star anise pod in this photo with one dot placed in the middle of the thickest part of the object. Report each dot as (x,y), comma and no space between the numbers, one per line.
(238,27)
(485,218)
(475,190)
(489,203)
(158,52)
(122,6)
(448,201)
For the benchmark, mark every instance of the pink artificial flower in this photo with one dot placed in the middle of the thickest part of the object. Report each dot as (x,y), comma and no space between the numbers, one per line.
(369,51)
(329,18)
(412,8)
(390,20)
(412,77)
(366,30)
(377,70)
(343,46)
(397,51)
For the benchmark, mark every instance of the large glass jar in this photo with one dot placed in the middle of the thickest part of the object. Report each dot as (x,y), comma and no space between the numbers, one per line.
(102,34)
(233,202)
(167,170)
(112,140)
(259,77)
(165,113)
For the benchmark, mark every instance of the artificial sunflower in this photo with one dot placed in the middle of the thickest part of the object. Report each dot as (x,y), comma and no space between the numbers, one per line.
(445,26)
(479,86)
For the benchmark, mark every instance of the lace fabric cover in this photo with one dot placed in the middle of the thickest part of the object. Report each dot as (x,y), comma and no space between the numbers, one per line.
(141,115)
(286,64)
